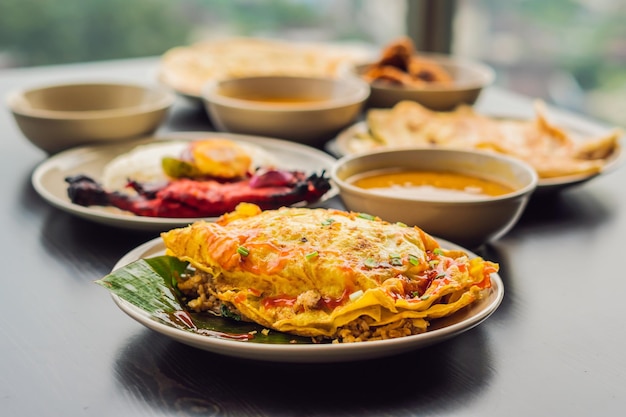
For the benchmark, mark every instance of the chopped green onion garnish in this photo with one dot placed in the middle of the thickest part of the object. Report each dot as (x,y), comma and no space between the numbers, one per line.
(243,251)
(438,251)
(371,263)
(328,222)
(396,262)
(440,276)
(311,255)
(425,297)
(414,260)
(401,224)
(356,295)
(433,262)
(366,216)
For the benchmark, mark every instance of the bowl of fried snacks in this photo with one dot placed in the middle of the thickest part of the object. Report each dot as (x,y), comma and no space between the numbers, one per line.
(469,197)
(437,81)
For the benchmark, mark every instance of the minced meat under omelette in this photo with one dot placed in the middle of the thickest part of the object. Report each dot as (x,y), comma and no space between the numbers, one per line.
(324,273)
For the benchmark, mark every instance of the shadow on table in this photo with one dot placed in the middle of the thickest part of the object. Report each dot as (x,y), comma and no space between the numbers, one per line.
(75,241)
(188,116)
(575,208)
(167,375)
(493,252)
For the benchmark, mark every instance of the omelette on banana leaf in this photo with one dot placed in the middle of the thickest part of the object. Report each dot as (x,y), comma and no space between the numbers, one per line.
(324,273)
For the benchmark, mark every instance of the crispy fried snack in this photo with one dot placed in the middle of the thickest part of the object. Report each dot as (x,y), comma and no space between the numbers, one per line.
(400,65)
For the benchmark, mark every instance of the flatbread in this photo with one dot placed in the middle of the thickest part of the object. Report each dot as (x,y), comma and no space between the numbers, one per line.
(550,149)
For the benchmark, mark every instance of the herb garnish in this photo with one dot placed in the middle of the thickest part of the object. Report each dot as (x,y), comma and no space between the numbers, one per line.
(371,263)
(311,255)
(395,259)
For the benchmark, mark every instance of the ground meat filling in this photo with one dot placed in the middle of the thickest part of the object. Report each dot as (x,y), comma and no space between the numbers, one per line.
(198,293)
(199,296)
(360,331)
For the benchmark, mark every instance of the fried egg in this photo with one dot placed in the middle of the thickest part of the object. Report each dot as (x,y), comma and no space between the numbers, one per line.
(144,162)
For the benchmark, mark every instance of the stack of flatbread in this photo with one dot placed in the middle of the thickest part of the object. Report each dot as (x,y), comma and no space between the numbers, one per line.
(188,68)
(551,150)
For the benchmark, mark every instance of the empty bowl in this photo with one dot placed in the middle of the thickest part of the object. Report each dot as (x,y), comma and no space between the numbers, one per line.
(489,195)
(469,78)
(61,116)
(309,110)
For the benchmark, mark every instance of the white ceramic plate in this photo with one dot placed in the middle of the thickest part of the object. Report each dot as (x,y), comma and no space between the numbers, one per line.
(440,329)
(48,179)
(340,146)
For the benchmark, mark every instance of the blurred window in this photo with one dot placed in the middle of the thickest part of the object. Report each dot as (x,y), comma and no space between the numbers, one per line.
(42,32)
(571,53)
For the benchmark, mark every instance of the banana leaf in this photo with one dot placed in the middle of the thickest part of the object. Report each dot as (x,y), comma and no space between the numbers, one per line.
(150,285)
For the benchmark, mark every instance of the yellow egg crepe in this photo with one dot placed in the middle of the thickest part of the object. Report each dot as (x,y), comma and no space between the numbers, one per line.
(324,273)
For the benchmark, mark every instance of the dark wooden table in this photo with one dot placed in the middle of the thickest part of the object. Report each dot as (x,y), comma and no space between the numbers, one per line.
(555,347)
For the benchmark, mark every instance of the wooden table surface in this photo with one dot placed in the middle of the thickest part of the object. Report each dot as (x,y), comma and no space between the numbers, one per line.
(555,346)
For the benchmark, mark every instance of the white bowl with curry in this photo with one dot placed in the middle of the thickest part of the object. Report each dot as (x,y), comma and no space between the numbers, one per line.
(308,110)
(467,197)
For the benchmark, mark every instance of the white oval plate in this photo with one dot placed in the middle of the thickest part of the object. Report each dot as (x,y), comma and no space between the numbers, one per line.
(48,179)
(340,146)
(440,329)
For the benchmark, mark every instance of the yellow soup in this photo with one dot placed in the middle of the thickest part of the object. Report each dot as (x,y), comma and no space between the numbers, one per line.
(278,100)
(429,184)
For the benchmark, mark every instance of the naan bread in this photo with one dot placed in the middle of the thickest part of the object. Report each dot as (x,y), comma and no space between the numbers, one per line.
(551,150)
(324,273)
(188,68)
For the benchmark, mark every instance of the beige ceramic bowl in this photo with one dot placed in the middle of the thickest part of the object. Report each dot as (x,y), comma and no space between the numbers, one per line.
(308,110)
(470,223)
(470,77)
(58,117)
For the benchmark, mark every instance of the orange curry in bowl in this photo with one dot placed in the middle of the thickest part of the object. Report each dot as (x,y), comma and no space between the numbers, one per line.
(444,185)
